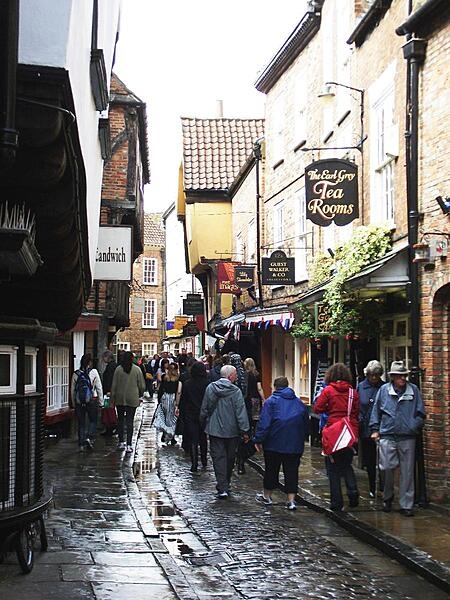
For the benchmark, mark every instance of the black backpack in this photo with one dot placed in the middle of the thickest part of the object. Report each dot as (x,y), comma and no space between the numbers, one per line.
(83,388)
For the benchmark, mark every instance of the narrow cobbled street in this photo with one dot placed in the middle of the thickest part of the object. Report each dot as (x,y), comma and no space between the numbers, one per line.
(245,550)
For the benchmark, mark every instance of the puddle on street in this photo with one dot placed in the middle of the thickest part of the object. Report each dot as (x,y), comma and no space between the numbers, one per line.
(177,547)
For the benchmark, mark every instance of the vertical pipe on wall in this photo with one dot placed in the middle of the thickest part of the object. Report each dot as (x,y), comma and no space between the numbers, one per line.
(258,154)
(9,49)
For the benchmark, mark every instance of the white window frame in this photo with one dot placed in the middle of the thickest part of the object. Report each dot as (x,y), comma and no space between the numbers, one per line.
(32,352)
(58,359)
(391,344)
(279,224)
(278,119)
(384,147)
(149,316)
(149,348)
(125,346)
(11,351)
(301,252)
(251,240)
(239,247)
(300,114)
(149,271)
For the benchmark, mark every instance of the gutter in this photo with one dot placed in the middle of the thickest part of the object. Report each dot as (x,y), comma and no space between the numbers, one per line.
(421,16)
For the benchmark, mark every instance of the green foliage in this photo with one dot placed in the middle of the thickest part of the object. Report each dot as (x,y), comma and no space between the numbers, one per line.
(305,326)
(347,312)
(320,269)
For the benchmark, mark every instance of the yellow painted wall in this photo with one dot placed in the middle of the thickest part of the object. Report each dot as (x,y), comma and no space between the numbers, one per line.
(208,229)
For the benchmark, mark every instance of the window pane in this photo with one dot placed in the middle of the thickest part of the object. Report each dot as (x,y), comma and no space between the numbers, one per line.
(5,370)
(28,375)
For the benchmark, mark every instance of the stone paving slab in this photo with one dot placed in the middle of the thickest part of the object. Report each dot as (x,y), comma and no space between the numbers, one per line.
(135,591)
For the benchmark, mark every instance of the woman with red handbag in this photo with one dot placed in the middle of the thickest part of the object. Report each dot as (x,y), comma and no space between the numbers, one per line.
(339,399)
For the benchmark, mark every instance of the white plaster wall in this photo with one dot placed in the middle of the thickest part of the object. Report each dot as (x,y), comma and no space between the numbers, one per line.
(58,34)
(178,282)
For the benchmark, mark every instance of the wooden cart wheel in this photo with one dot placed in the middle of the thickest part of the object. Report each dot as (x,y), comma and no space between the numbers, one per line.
(24,546)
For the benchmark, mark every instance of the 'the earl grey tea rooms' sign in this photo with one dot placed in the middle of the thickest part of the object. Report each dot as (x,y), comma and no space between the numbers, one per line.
(331,188)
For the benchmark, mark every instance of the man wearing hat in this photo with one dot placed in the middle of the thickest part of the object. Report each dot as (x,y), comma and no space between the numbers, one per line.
(397,417)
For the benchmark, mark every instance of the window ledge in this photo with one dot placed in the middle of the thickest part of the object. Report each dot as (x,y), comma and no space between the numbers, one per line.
(278,164)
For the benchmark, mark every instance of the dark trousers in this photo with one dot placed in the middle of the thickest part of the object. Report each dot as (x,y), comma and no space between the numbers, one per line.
(125,416)
(273,463)
(339,465)
(196,437)
(89,410)
(369,461)
(223,453)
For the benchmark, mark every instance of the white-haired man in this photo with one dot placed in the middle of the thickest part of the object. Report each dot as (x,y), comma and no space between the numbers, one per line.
(224,410)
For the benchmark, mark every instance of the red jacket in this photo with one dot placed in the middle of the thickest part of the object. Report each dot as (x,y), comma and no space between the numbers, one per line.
(334,400)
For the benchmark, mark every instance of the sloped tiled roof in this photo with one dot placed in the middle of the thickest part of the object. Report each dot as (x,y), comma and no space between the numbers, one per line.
(215,150)
(154,230)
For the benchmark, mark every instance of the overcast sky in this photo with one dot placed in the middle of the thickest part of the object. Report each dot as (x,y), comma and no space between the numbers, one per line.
(181,56)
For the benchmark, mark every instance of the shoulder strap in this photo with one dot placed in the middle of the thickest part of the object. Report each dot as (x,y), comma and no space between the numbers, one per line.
(350,401)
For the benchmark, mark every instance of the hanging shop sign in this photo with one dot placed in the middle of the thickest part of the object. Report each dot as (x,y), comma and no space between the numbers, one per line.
(331,188)
(190,329)
(244,276)
(193,305)
(225,278)
(114,255)
(278,269)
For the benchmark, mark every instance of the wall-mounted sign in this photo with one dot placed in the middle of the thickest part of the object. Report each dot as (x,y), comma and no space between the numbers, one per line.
(225,278)
(321,317)
(331,188)
(278,269)
(193,305)
(244,276)
(114,256)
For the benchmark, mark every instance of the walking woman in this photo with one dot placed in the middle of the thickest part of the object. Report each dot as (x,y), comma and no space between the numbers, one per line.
(367,390)
(87,396)
(334,400)
(128,385)
(191,403)
(169,393)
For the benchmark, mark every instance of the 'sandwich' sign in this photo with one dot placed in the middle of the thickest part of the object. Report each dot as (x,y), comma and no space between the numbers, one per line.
(331,187)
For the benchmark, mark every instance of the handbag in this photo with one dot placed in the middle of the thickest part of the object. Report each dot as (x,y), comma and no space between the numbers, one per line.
(339,435)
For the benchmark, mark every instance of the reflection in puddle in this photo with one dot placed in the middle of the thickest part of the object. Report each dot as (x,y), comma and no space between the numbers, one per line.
(177,547)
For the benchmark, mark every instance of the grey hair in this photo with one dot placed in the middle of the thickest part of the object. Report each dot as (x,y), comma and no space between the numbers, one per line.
(373,367)
(226,371)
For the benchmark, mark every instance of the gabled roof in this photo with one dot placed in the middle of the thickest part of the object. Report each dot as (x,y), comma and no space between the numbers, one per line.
(215,150)
(153,230)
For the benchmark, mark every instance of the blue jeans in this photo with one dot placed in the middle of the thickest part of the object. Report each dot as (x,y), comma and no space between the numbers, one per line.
(89,410)
(339,465)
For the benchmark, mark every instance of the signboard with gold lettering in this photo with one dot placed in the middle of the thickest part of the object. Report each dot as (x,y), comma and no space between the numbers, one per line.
(321,317)
(244,276)
(278,269)
(331,187)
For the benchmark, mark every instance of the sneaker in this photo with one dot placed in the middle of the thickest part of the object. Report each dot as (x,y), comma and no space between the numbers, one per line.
(89,444)
(291,505)
(129,449)
(261,498)
(406,512)
(121,446)
(223,494)
(387,506)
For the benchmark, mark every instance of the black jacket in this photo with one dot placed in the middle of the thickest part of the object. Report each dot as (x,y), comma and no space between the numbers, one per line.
(192,397)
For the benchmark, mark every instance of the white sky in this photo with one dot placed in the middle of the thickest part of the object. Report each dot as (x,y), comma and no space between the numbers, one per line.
(181,56)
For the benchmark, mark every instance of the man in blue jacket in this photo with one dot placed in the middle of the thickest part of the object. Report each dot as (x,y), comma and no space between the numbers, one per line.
(397,417)
(281,432)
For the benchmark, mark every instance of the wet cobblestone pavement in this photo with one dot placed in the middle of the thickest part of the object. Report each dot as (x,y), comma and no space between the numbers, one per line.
(147,528)
(267,553)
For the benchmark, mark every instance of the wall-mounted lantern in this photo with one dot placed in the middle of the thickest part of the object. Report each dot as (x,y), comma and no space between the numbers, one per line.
(421,253)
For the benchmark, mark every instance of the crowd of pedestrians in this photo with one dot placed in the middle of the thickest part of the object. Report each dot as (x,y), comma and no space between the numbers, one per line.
(217,406)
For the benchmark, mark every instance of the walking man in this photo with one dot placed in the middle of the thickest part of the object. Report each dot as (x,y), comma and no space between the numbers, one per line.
(224,410)
(397,417)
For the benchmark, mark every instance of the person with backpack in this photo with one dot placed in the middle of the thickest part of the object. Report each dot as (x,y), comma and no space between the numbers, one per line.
(86,397)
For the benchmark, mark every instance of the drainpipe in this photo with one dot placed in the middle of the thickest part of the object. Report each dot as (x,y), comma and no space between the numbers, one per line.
(9,51)
(257,154)
(414,52)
